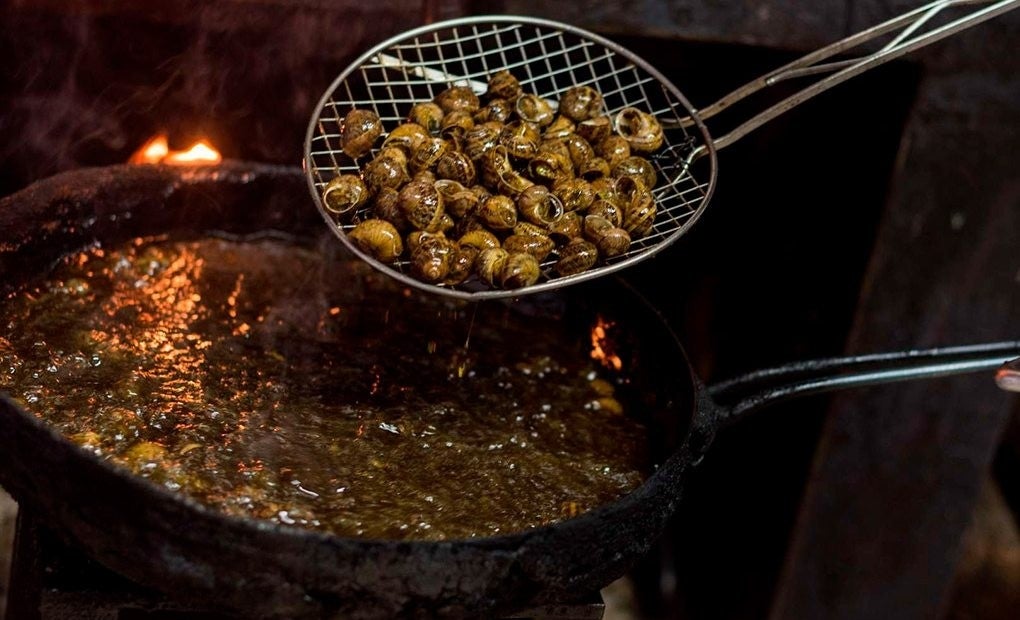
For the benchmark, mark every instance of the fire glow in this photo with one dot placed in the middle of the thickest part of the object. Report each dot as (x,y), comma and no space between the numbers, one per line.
(602,346)
(157,151)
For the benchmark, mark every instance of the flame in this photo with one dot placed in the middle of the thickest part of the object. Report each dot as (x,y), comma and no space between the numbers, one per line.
(200,152)
(602,345)
(157,151)
(152,152)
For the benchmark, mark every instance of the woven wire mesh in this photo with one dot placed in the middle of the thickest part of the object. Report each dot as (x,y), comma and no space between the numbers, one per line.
(548,59)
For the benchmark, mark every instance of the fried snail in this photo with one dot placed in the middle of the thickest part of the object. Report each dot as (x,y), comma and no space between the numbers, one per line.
(494,186)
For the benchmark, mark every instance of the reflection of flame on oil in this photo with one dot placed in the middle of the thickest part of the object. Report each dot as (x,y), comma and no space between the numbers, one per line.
(602,345)
(157,151)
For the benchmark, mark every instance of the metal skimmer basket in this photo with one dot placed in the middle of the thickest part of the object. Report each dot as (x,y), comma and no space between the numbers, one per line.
(547,58)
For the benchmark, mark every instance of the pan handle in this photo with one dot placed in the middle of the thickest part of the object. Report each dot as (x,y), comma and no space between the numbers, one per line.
(839,71)
(757,390)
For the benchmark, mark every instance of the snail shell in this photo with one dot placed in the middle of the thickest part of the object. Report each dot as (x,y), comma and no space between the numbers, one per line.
(640,129)
(512,183)
(428,115)
(455,125)
(395,153)
(539,245)
(520,269)
(495,163)
(557,146)
(613,149)
(378,238)
(446,223)
(361,128)
(385,206)
(550,167)
(489,264)
(414,239)
(424,175)
(481,191)
(477,141)
(503,85)
(456,166)
(639,211)
(605,188)
(344,193)
(575,257)
(498,110)
(498,212)
(428,153)
(408,137)
(533,109)
(529,229)
(480,239)
(422,205)
(566,228)
(458,98)
(386,170)
(578,149)
(431,258)
(458,201)
(638,167)
(469,223)
(593,168)
(575,194)
(640,218)
(581,103)
(561,127)
(610,240)
(462,264)
(539,206)
(608,210)
(520,139)
(594,130)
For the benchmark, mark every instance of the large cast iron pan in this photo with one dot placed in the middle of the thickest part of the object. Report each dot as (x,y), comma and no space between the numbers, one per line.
(260,569)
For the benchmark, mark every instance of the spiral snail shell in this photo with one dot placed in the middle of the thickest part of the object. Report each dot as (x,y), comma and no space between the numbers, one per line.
(360,130)
(520,269)
(378,238)
(422,205)
(640,129)
(428,115)
(431,257)
(575,257)
(580,103)
(344,193)
(504,85)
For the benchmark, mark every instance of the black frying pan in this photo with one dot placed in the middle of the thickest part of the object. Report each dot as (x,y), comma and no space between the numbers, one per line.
(202,557)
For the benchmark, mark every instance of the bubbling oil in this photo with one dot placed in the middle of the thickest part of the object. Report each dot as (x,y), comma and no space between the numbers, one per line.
(267,380)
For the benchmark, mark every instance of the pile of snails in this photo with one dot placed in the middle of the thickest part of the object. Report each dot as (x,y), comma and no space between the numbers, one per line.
(492,186)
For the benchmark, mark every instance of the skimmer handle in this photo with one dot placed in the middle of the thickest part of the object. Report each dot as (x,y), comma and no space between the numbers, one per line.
(908,40)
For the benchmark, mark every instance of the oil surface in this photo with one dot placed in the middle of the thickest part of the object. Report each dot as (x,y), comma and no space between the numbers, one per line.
(265,380)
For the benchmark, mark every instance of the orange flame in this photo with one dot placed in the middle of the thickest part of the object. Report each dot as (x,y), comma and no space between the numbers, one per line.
(602,345)
(157,151)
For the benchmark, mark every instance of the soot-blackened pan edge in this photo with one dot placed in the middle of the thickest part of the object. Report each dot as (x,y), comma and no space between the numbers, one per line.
(175,545)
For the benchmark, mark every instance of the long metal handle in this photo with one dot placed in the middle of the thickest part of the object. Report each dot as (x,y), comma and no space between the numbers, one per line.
(840,71)
(757,390)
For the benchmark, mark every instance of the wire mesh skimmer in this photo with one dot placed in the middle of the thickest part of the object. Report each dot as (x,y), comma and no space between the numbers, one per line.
(548,58)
